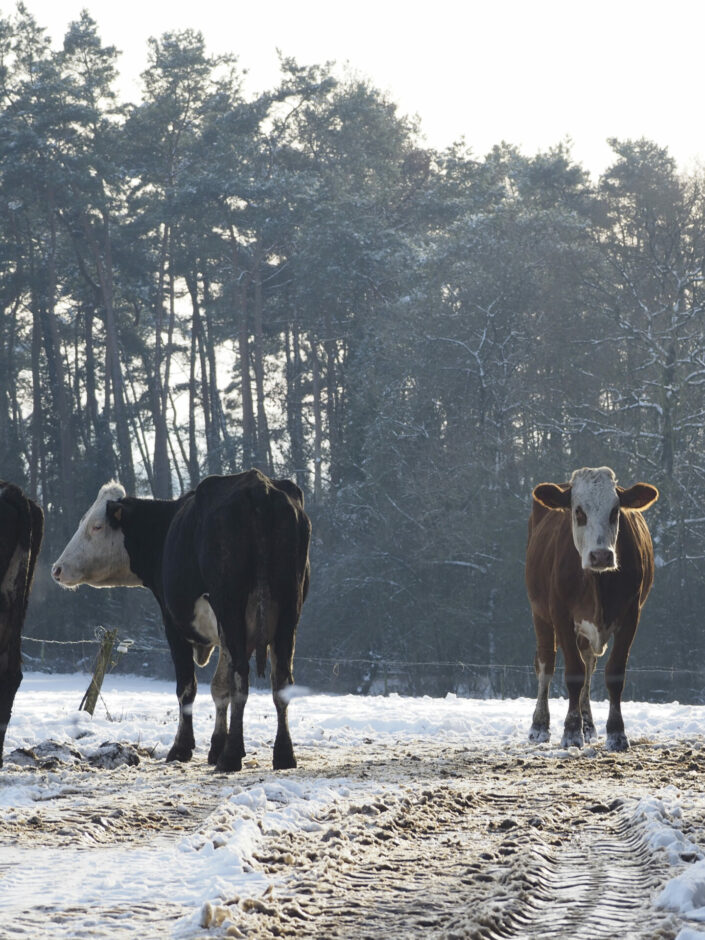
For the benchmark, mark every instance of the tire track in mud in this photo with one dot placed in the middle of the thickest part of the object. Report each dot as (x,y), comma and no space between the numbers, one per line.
(521,849)
(457,842)
(592,889)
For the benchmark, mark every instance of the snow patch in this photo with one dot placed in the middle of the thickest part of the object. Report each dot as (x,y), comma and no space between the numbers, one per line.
(196,876)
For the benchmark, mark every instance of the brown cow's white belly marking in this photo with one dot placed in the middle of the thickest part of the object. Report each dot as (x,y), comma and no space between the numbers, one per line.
(595,637)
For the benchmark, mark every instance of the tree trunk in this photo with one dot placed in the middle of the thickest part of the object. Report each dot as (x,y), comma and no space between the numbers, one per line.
(160,463)
(335,441)
(10,436)
(52,345)
(263,456)
(249,443)
(91,381)
(317,425)
(192,460)
(294,405)
(211,393)
(35,477)
(114,379)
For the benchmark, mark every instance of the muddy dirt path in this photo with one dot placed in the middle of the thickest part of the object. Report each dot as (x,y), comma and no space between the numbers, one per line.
(456,842)
(526,846)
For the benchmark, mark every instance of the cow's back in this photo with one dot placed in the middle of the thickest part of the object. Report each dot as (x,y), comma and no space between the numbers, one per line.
(552,564)
(256,526)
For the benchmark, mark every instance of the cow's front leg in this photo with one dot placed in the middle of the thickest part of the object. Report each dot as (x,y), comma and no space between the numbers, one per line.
(575,682)
(544,665)
(220,691)
(589,658)
(186,686)
(282,680)
(615,672)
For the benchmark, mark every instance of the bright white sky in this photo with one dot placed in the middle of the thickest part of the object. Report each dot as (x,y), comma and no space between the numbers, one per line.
(531,72)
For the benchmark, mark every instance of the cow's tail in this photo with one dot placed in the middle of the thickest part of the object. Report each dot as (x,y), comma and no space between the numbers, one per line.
(261,628)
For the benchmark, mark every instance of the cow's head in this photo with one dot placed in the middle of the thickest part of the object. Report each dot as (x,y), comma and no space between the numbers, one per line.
(594,500)
(96,554)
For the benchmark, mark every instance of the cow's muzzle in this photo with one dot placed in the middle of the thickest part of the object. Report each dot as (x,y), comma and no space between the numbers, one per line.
(601,559)
(59,575)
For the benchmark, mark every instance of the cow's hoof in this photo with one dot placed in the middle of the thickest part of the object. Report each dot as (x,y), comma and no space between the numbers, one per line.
(589,732)
(284,761)
(181,754)
(573,739)
(214,755)
(227,764)
(617,741)
(283,754)
(539,735)
(216,749)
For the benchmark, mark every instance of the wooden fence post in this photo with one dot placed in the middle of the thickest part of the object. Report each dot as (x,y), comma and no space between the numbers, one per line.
(101,664)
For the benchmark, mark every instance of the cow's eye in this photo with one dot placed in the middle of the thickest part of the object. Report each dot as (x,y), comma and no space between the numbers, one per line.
(614,515)
(97,526)
(580,516)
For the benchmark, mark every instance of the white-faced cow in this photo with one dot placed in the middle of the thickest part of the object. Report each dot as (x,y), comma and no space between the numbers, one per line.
(228,565)
(21,530)
(589,569)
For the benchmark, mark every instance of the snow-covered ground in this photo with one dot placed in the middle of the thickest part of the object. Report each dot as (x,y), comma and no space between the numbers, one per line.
(89,878)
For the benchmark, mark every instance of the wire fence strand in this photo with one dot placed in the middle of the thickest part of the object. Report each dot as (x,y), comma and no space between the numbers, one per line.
(386,663)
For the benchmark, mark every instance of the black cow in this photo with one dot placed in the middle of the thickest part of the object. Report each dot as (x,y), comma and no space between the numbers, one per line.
(21,531)
(228,565)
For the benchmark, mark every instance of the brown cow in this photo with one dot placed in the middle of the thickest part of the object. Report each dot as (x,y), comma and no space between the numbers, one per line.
(589,569)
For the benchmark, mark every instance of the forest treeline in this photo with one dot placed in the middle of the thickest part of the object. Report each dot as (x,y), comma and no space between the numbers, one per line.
(206,281)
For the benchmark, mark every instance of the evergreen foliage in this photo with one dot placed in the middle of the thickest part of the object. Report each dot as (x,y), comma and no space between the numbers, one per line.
(202,282)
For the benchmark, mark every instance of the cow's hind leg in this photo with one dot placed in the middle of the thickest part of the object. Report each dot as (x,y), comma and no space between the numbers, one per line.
(230,611)
(230,758)
(544,664)
(10,679)
(220,692)
(589,658)
(282,680)
(186,686)
(615,672)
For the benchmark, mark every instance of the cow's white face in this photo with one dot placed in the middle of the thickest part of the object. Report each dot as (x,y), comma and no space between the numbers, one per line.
(96,554)
(594,501)
(595,517)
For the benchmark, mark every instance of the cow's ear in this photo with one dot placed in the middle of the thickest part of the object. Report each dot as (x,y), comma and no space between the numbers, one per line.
(113,512)
(552,496)
(640,496)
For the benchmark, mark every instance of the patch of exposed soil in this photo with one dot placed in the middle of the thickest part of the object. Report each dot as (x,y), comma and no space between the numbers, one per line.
(533,845)
(458,842)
